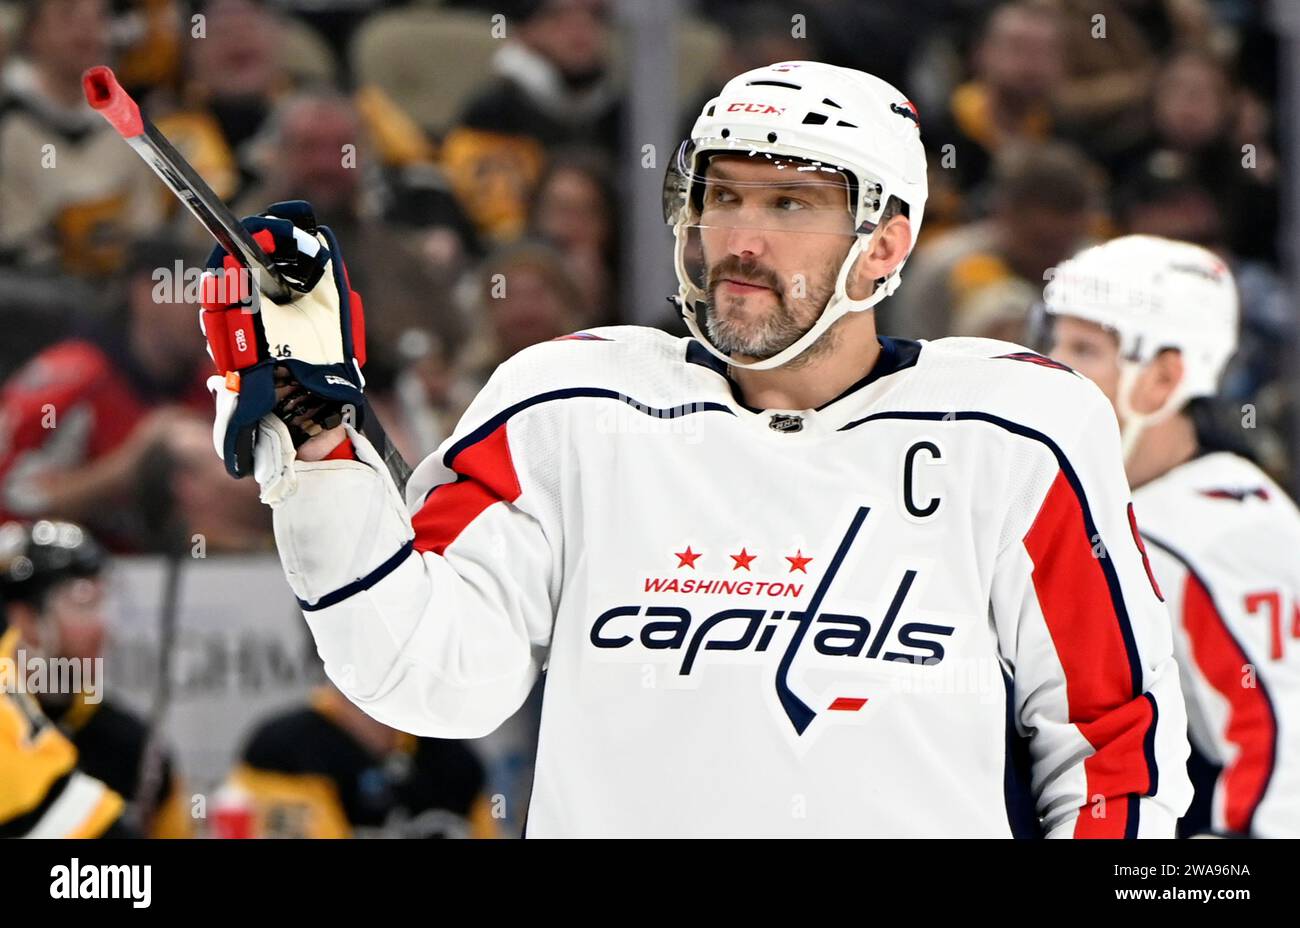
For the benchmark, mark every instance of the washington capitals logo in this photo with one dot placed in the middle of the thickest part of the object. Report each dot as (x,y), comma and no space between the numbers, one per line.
(833,640)
(1031,357)
(907,109)
(1214,273)
(581,337)
(1239,494)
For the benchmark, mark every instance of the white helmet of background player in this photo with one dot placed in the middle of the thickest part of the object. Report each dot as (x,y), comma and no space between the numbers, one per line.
(1153,294)
(808,114)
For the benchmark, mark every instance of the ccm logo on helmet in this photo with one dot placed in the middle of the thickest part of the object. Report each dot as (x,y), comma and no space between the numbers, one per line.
(765,109)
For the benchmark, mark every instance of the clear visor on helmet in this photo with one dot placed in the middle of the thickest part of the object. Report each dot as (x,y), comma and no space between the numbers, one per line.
(757,191)
(740,214)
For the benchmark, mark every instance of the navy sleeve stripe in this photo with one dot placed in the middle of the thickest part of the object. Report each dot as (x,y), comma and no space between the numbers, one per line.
(364,583)
(1149,746)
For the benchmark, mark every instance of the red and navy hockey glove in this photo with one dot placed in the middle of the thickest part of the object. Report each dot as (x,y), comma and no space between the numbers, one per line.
(318,336)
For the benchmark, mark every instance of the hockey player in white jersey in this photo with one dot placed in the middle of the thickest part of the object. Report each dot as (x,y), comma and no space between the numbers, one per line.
(1153,322)
(786,576)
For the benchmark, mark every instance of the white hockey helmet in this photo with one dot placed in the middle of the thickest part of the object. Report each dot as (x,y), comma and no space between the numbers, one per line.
(834,119)
(1155,293)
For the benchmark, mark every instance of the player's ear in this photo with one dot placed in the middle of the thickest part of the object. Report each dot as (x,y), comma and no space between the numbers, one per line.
(885,250)
(1158,381)
(1170,371)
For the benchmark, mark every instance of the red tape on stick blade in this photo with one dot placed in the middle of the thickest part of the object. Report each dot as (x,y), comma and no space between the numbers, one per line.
(106,95)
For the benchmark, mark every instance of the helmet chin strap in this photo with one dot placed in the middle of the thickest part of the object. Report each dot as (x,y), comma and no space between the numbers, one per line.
(1135,423)
(691,299)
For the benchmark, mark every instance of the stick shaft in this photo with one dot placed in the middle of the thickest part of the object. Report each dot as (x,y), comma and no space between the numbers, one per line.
(207,207)
(106,95)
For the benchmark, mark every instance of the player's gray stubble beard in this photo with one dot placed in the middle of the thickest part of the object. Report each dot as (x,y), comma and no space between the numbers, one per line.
(778,331)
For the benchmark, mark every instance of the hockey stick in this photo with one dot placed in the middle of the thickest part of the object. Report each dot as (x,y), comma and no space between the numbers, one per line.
(106,95)
(152,785)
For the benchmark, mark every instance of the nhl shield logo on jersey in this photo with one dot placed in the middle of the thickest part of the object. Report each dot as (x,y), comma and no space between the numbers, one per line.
(781,422)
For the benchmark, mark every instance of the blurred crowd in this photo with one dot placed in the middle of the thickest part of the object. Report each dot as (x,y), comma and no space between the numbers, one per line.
(454,145)
(458,144)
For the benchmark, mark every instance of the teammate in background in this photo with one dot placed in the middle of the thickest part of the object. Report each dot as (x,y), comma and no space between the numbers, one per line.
(1153,322)
(328,770)
(52,589)
(788,576)
(43,794)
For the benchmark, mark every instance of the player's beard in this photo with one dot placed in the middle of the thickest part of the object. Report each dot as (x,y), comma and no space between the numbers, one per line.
(769,331)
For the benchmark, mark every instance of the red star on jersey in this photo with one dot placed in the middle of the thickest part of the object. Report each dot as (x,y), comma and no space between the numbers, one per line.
(742,559)
(798,562)
(686,558)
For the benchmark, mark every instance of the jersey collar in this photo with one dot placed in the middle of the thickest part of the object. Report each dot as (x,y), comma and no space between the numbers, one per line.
(896,354)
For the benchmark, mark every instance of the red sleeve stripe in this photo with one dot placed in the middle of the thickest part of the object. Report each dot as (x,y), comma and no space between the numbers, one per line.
(1114,818)
(486,476)
(1120,738)
(1077,605)
(1086,625)
(1146,561)
(1252,726)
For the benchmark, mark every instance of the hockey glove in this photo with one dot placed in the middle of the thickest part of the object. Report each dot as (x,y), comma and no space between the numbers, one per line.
(316,341)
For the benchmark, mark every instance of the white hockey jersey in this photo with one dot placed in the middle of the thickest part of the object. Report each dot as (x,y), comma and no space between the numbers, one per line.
(918,610)
(1224,542)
